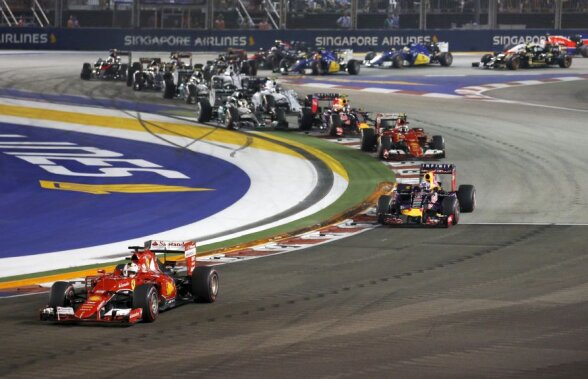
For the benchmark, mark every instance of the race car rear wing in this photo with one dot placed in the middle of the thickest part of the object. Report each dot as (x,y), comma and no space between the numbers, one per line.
(326,96)
(441,168)
(124,53)
(186,247)
(145,60)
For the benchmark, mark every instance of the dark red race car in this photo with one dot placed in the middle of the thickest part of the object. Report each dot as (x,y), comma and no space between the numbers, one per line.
(393,140)
(135,291)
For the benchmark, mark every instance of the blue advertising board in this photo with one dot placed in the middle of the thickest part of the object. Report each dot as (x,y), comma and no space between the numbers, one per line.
(205,40)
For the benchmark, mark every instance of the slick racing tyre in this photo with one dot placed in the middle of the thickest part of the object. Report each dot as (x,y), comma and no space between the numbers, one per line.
(397,61)
(284,66)
(62,295)
(353,67)
(446,59)
(335,124)
(281,118)
(466,194)
(204,284)
(169,87)
(565,61)
(203,110)
(305,119)
(146,297)
(231,118)
(136,66)
(584,51)
(513,63)
(86,73)
(369,56)
(368,139)
(385,145)
(383,207)
(450,207)
(253,67)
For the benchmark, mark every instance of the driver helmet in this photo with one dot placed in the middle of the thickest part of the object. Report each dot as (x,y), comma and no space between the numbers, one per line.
(406,49)
(269,84)
(130,270)
(424,185)
(338,104)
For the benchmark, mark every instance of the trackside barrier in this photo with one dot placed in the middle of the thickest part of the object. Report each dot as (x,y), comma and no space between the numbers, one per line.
(202,40)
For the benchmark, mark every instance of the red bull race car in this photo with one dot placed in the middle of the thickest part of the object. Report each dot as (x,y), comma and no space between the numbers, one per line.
(427,203)
(135,291)
(393,140)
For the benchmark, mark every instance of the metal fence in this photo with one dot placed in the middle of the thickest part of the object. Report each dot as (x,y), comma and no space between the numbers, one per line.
(297,14)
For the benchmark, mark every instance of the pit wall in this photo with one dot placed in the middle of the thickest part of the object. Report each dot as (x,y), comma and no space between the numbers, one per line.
(200,40)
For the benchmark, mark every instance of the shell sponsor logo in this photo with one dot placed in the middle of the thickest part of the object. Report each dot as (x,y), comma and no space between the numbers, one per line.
(95,298)
(133,283)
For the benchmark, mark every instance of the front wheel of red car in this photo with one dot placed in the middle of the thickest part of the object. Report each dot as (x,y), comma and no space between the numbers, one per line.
(146,298)
(204,284)
(62,295)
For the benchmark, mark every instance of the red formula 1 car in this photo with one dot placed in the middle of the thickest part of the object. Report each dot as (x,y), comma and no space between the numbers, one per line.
(427,203)
(136,291)
(393,140)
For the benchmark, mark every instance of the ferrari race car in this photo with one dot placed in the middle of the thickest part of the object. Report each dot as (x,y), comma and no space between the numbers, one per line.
(427,203)
(325,62)
(411,55)
(111,68)
(574,44)
(393,140)
(136,291)
(332,113)
(527,56)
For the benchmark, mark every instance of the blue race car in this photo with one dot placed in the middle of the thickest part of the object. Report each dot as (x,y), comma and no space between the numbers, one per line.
(411,55)
(325,62)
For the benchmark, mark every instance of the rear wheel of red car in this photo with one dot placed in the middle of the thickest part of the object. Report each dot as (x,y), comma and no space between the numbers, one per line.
(205,283)
(146,298)
(450,207)
(385,145)
(584,51)
(62,294)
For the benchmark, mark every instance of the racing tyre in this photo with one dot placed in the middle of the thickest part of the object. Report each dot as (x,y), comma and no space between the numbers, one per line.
(146,298)
(450,207)
(231,118)
(305,119)
(86,73)
(191,98)
(335,124)
(383,207)
(169,88)
(62,295)
(438,143)
(466,195)
(584,51)
(446,59)
(397,61)
(513,63)
(565,61)
(368,139)
(204,284)
(203,110)
(353,67)
(385,145)
(486,58)
(139,83)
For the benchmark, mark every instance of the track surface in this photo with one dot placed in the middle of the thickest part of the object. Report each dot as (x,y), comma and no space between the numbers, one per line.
(479,300)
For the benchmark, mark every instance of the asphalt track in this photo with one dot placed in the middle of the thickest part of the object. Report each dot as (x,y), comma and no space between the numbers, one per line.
(504,295)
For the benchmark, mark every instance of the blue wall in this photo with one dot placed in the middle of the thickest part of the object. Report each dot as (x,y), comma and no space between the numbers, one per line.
(201,40)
